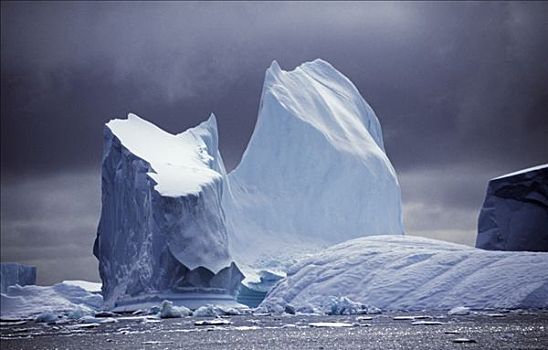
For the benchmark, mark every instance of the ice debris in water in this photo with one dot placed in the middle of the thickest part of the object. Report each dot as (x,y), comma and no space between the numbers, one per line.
(345,306)
(207,311)
(463,340)
(167,310)
(330,324)
(307,309)
(459,310)
(214,322)
(47,317)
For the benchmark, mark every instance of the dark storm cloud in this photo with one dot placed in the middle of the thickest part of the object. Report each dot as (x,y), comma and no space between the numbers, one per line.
(50,221)
(460,90)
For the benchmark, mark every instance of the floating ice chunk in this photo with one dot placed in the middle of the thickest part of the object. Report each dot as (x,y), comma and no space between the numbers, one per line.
(289,325)
(107,320)
(167,310)
(403,318)
(463,340)
(12,323)
(228,311)
(459,310)
(76,313)
(426,323)
(207,311)
(214,322)
(84,325)
(364,318)
(345,306)
(330,324)
(47,317)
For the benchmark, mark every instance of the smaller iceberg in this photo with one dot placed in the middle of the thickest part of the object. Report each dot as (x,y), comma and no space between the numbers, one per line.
(514,215)
(57,300)
(12,274)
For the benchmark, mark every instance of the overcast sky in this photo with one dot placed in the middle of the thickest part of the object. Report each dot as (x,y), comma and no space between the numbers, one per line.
(461,91)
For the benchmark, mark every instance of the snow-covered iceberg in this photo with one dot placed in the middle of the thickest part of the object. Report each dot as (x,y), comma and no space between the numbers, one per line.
(514,215)
(59,299)
(162,228)
(413,273)
(315,172)
(13,273)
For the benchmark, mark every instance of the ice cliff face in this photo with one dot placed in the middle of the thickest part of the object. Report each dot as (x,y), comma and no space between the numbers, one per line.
(514,215)
(314,173)
(12,274)
(162,226)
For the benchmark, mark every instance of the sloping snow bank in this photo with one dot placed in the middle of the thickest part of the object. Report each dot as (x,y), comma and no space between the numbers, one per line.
(414,273)
(29,301)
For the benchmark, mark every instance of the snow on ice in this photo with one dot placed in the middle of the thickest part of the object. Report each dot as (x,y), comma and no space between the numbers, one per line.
(50,302)
(414,273)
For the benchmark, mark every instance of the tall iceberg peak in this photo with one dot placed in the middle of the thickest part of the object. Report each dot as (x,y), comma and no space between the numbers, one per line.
(162,227)
(314,172)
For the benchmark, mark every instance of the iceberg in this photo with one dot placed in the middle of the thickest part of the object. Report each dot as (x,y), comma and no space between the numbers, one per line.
(162,228)
(53,301)
(405,273)
(514,215)
(13,273)
(314,173)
